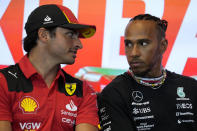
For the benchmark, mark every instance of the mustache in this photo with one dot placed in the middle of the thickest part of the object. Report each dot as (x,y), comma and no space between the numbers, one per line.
(136,61)
(74,50)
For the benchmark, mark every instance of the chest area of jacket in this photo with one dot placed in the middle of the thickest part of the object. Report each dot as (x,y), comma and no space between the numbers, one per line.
(170,106)
(36,110)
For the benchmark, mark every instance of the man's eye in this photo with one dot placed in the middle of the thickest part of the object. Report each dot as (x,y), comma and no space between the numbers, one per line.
(143,43)
(128,44)
(70,34)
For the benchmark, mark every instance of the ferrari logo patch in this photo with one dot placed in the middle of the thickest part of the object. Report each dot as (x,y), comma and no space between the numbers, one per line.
(70,88)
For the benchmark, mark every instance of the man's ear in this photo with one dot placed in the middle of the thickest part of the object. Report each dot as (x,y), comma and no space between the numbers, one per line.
(43,34)
(164,45)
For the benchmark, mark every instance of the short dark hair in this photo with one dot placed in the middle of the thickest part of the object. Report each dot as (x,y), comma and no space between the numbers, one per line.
(162,24)
(30,41)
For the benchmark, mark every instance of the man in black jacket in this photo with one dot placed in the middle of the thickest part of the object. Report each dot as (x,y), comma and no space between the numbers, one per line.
(148,97)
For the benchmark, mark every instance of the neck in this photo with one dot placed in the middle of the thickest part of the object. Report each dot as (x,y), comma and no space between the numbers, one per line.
(154,82)
(153,74)
(46,68)
(155,71)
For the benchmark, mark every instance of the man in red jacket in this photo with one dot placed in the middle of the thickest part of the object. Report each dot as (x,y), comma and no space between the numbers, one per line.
(35,93)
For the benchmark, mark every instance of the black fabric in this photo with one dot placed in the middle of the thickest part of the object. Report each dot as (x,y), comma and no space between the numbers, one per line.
(172,107)
(16,80)
(52,15)
(114,107)
(69,79)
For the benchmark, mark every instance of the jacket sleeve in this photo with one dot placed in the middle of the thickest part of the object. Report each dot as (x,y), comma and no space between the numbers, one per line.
(5,109)
(113,111)
(87,112)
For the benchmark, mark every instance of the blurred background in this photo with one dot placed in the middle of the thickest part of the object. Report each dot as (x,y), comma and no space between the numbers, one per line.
(102,57)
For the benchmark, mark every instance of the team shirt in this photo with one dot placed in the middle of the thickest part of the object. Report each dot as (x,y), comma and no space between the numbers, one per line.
(128,106)
(34,106)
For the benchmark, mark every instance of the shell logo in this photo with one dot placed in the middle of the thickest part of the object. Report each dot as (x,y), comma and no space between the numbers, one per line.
(28,105)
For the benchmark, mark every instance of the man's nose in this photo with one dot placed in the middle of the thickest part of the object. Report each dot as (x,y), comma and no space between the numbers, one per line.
(78,43)
(135,52)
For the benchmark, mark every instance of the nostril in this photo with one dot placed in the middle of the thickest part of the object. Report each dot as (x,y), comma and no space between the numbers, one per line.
(79,46)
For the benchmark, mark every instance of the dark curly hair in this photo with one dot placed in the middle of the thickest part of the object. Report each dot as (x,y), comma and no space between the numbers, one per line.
(30,41)
(162,24)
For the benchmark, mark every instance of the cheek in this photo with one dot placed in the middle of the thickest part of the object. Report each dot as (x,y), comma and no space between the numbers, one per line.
(127,51)
(153,57)
(63,45)
(149,55)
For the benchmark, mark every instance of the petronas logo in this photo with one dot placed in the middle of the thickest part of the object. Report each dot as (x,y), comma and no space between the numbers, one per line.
(180,92)
(29,105)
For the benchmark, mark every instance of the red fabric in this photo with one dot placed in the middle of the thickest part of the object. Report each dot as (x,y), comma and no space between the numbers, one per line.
(5,108)
(69,15)
(49,108)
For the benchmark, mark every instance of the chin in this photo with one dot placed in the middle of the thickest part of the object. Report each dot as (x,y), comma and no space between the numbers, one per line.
(69,62)
(139,72)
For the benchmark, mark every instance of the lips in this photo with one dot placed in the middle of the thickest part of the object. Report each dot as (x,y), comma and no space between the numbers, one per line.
(74,53)
(135,64)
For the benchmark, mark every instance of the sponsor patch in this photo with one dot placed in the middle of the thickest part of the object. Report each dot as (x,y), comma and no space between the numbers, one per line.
(71,106)
(137,96)
(70,88)
(68,121)
(184,106)
(180,92)
(30,126)
(28,105)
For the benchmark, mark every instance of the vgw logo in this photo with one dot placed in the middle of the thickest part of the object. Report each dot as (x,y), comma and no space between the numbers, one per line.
(30,126)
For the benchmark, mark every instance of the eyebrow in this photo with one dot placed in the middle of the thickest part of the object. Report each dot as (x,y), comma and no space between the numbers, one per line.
(146,40)
(139,40)
(70,31)
(127,41)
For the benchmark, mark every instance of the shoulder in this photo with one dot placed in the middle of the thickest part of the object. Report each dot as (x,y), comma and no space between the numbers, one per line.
(119,81)
(3,81)
(8,69)
(180,78)
(71,79)
(117,87)
(4,88)
(82,88)
(9,75)
(177,80)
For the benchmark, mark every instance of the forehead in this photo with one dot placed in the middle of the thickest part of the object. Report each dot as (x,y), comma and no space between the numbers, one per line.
(141,29)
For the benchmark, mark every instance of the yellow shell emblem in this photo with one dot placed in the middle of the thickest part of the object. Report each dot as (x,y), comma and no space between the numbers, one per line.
(28,105)
(70,88)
